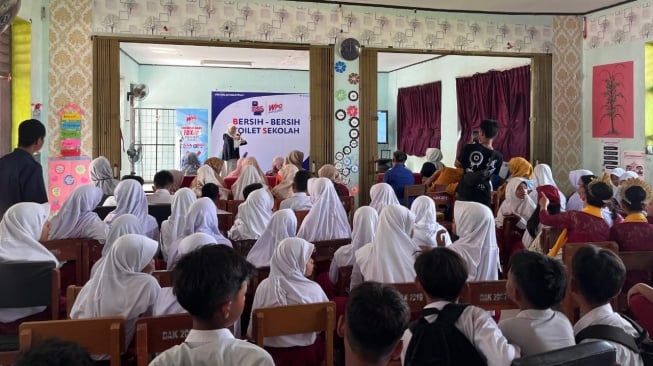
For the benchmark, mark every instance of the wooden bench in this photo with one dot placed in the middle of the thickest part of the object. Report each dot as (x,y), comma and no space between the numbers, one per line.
(548,238)
(159,333)
(225,221)
(344,280)
(444,203)
(243,247)
(72,292)
(413,191)
(413,296)
(348,205)
(70,250)
(301,215)
(259,275)
(324,249)
(30,284)
(633,261)
(488,295)
(232,206)
(163,277)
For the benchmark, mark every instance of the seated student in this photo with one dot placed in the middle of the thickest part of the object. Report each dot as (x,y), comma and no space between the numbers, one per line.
(449,177)
(382,195)
(162,182)
(111,200)
(441,276)
(427,233)
(55,352)
(210,283)
(283,189)
(399,176)
(251,173)
(375,319)
(536,283)
(433,162)
(210,173)
(130,198)
(327,219)
(299,201)
(76,218)
(253,216)
(173,227)
(329,171)
(211,191)
(288,285)
(533,225)
(597,277)
(177,180)
(123,225)
(123,285)
(102,176)
(544,177)
(283,224)
(518,203)
(251,188)
(575,201)
(277,164)
(640,304)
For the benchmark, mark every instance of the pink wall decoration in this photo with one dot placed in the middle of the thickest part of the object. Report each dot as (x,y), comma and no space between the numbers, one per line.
(612,100)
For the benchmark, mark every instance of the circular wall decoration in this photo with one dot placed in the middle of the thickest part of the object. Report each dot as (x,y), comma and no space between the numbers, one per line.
(347,151)
(341,114)
(341,94)
(353,190)
(353,95)
(353,144)
(345,172)
(347,159)
(353,133)
(354,122)
(339,155)
(354,78)
(354,168)
(345,180)
(338,166)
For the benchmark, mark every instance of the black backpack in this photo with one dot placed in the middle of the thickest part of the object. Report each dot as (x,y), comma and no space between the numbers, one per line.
(440,342)
(641,343)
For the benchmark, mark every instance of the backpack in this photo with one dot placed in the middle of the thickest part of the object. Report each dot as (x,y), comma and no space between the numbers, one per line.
(641,343)
(440,342)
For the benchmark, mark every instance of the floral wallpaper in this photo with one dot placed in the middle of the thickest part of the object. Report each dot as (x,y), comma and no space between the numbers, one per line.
(619,25)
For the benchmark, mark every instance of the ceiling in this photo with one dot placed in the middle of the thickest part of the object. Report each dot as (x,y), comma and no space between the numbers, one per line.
(497,6)
(259,58)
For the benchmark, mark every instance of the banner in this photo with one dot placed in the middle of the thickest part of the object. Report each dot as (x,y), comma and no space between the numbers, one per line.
(271,123)
(192,129)
(65,174)
(634,162)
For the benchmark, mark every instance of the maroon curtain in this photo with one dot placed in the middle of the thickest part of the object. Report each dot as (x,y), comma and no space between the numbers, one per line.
(504,96)
(418,118)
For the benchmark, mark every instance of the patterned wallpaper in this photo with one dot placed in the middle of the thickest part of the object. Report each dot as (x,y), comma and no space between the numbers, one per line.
(346,123)
(70,78)
(567,65)
(619,25)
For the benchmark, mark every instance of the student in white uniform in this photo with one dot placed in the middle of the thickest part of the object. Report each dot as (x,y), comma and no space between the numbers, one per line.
(441,275)
(22,228)
(250,174)
(520,204)
(76,218)
(283,189)
(123,285)
(205,175)
(299,201)
(130,198)
(123,225)
(536,283)
(381,195)
(327,219)
(365,221)
(389,258)
(163,181)
(544,177)
(102,176)
(575,201)
(210,283)
(282,225)
(477,240)
(427,231)
(173,227)
(253,216)
(597,277)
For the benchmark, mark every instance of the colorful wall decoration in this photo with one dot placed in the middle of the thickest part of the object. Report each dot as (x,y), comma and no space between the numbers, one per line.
(65,174)
(612,100)
(71,130)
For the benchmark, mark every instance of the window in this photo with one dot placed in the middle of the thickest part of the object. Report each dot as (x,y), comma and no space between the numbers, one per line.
(155,133)
(382,127)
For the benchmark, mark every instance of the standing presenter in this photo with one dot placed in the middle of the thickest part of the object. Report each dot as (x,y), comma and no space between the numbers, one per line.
(230,149)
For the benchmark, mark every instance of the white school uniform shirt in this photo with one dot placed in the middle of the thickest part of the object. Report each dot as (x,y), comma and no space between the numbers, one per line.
(118,287)
(481,330)
(248,175)
(160,197)
(544,177)
(287,285)
(299,201)
(382,195)
(327,218)
(20,230)
(537,331)
(253,216)
(216,347)
(123,225)
(110,201)
(76,218)
(130,198)
(426,225)
(477,242)
(173,227)
(365,221)
(606,316)
(282,225)
(390,257)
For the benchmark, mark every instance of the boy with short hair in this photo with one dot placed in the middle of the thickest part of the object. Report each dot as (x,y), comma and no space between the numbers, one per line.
(398,177)
(210,283)
(375,319)
(480,161)
(441,276)
(299,201)
(162,182)
(535,283)
(597,277)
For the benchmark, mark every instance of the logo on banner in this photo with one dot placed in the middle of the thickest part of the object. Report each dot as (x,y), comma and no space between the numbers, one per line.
(257,110)
(275,107)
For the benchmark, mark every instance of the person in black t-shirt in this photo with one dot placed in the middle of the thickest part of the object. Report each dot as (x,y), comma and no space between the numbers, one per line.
(480,161)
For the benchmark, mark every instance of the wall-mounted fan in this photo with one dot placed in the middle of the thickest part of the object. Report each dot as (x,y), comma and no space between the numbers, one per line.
(8,11)
(137,92)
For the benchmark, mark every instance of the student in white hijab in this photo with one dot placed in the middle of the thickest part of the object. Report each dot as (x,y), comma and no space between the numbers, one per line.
(426,229)
(283,224)
(575,202)
(253,216)
(284,190)
(624,176)
(327,219)
(477,242)
(76,218)
(123,285)
(206,175)
(365,221)
(173,227)
(123,225)
(310,189)
(434,156)
(102,176)
(517,202)
(130,198)
(202,217)
(21,228)
(544,177)
(382,195)
(287,285)
(166,302)
(248,175)
(389,258)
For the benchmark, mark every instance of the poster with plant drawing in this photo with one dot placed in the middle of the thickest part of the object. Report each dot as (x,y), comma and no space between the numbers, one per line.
(612,100)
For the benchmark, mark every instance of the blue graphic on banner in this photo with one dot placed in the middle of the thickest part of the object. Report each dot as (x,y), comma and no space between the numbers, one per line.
(192,129)
(271,123)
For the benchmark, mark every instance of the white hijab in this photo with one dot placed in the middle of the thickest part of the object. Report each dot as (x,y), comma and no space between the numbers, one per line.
(543,177)
(434,156)
(102,175)
(130,198)
(123,225)
(382,195)
(173,227)
(574,176)
(253,215)
(248,175)
(76,219)
(426,225)
(20,231)
(327,218)
(310,189)
(282,225)
(477,242)
(366,220)
(202,217)
(513,205)
(575,203)
(205,175)
(390,257)
(283,190)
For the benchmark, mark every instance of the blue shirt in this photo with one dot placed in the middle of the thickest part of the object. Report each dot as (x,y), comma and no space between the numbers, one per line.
(398,177)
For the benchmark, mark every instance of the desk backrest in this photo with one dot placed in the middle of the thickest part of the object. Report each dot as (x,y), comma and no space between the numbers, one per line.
(488,295)
(324,249)
(413,191)
(599,353)
(413,296)
(163,277)
(69,250)
(344,280)
(72,292)
(30,284)
(159,333)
